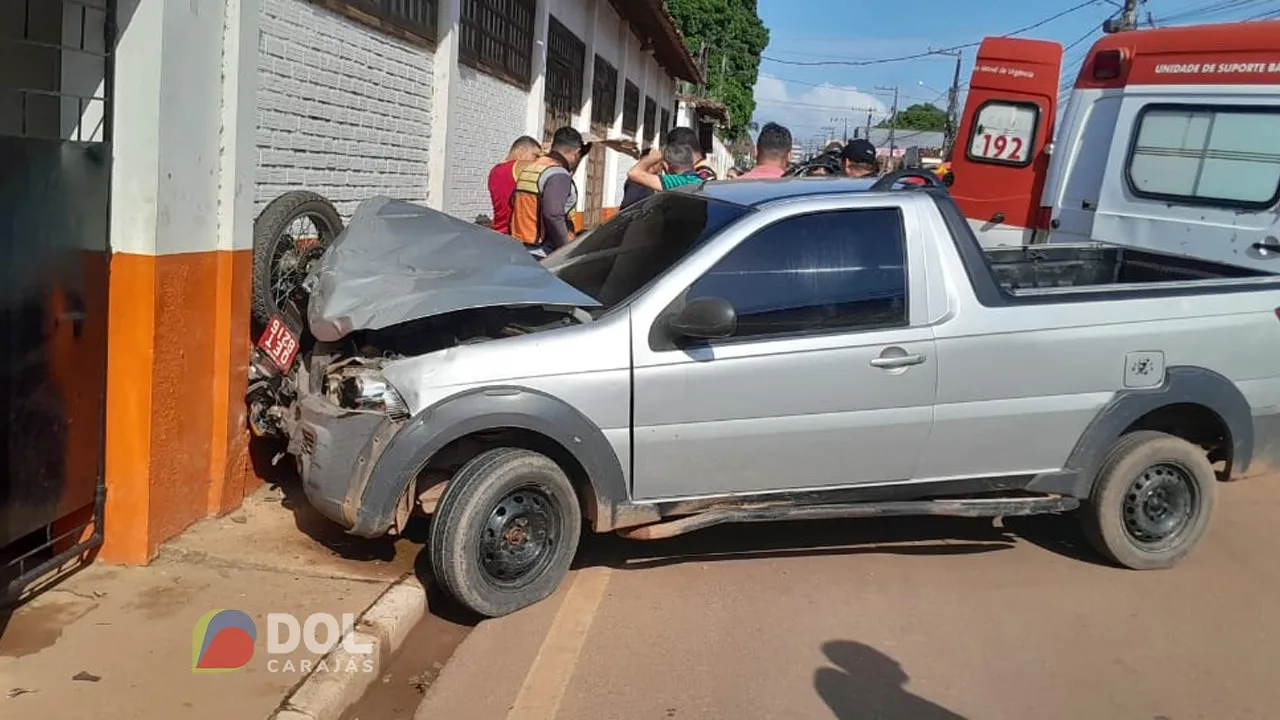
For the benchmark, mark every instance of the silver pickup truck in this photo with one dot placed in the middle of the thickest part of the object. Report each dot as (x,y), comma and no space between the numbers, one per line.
(757,351)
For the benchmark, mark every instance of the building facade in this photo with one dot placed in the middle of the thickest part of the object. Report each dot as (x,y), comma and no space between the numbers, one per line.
(144,138)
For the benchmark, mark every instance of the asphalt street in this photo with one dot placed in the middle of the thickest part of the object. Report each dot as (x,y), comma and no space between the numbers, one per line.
(916,619)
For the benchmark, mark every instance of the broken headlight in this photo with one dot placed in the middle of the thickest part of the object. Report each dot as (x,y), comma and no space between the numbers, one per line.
(357,387)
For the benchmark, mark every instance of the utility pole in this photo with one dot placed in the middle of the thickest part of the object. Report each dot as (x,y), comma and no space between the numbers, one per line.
(893,120)
(835,121)
(1128,19)
(953,106)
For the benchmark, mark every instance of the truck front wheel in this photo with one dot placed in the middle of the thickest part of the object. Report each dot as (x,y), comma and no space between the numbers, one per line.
(1151,501)
(505,531)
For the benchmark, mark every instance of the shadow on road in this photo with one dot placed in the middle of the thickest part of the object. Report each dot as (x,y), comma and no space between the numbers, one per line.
(894,536)
(1059,534)
(865,683)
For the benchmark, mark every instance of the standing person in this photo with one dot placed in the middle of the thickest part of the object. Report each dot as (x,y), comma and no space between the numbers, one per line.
(633,192)
(545,195)
(502,180)
(687,136)
(773,153)
(859,159)
(679,170)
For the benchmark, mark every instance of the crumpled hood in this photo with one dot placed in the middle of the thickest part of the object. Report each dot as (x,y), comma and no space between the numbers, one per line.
(397,261)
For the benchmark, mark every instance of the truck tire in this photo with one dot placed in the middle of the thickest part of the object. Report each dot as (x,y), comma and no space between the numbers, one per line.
(1151,502)
(505,531)
(277,266)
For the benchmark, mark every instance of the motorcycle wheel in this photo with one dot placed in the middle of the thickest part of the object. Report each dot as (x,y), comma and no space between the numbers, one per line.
(289,237)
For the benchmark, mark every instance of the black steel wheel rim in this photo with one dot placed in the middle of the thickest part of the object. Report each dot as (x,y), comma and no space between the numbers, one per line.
(519,537)
(295,251)
(1159,505)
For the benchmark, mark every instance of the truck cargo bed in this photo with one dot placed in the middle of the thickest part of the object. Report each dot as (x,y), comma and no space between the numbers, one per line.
(1059,266)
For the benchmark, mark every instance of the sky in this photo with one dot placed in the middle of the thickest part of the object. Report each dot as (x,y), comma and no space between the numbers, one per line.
(809,98)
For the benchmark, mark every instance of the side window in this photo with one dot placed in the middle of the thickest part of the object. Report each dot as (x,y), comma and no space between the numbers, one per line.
(842,270)
(1207,156)
(1004,133)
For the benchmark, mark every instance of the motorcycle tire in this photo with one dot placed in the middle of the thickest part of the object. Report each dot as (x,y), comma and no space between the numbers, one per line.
(272,255)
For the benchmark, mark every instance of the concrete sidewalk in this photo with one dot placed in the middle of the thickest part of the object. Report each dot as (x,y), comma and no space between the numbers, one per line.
(922,619)
(116,642)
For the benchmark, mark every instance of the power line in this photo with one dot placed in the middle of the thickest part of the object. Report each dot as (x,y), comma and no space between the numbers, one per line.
(930,53)
(1226,7)
(1072,66)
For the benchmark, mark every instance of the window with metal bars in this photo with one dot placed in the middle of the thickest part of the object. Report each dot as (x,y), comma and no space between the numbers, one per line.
(630,108)
(411,19)
(496,37)
(650,116)
(604,93)
(54,59)
(666,122)
(566,61)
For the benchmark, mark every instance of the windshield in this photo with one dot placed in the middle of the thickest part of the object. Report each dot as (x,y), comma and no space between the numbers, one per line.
(616,260)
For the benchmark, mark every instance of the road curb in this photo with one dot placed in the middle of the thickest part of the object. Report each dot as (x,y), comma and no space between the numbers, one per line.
(325,695)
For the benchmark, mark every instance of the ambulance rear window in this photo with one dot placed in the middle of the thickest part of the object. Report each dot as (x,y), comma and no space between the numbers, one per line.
(1004,133)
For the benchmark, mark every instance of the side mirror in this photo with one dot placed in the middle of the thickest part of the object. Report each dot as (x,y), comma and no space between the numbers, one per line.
(705,319)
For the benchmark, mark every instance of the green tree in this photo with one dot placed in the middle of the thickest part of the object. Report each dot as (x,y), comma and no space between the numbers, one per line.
(919,117)
(734,36)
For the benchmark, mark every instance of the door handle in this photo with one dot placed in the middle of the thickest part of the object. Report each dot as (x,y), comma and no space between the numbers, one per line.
(897,361)
(1265,250)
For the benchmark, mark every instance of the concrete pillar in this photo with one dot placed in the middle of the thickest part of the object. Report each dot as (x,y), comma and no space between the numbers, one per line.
(583,120)
(443,108)
(614,160)
(643,134)
(537,114)
(181,226)
(237,166)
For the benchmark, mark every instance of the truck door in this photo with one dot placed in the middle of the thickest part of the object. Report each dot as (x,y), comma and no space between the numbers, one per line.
(999,163)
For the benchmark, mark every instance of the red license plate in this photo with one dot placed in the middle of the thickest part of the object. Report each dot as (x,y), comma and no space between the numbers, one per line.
(279,343)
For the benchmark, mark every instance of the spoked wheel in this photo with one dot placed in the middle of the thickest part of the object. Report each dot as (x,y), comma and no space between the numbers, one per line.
(288,239)
(1151,502)
(505,531)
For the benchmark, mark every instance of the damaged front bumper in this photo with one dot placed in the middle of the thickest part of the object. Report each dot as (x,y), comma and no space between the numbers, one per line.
(337,450)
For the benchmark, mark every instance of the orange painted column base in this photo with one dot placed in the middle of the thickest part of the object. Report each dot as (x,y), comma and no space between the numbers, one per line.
(177,447)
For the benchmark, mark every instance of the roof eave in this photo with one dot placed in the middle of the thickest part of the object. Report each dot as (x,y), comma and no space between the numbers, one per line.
(668,48)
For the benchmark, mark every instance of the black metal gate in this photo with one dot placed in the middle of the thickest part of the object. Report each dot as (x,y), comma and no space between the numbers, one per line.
(55,163)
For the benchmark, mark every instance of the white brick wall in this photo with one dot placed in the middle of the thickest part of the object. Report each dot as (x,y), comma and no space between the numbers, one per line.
(343,110)
(489,116)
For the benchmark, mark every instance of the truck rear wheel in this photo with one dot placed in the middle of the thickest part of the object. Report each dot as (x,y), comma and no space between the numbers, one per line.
(1151,501)
(505,531)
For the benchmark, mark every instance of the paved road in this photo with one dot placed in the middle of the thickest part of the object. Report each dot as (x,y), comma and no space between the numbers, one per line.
(922,619)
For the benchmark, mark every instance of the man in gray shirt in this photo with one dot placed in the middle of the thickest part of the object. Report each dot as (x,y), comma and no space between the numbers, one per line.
(546,195)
